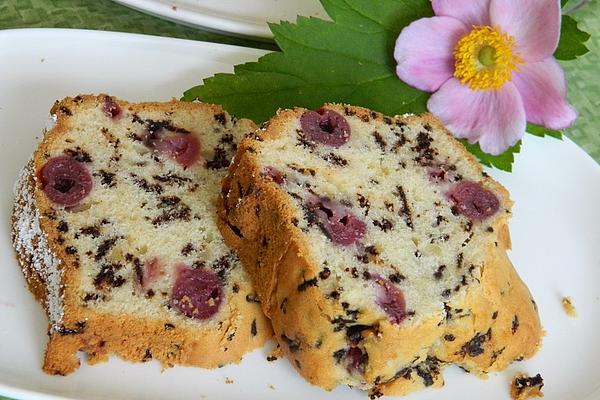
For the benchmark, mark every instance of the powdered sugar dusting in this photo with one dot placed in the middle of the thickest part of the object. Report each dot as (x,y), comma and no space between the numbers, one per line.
(32,244)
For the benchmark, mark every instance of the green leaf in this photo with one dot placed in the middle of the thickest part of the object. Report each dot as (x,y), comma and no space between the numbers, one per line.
(347,60)
(541,131)
(572,39)
(563,3)
(503,161)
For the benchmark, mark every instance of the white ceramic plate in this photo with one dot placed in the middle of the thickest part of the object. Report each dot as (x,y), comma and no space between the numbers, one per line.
(240,17)
(555,230)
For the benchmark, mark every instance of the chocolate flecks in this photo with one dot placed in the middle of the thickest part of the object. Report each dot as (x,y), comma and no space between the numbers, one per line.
(253,330)
(396,277)
(384,224)
(400,142)
(90,297)
(334,294)
(325,273)
(349,112)
(459,260)
(231,335)
(271,358)
(71,250)
(354,333)
(495,315)
(473,347)
(251,298)
(446,292)
(340,323)
(449,337)
(339,355)
(171,179)
(227,139)
(63,227)
(77,329)
(292,344)
(78,154)
(65,110)
(220,159)
(379,140)
(107,279)
(107,178)
(426,376)
(335,160)
(468,239)
(105,247)
(155,126)
(147,356)
(187,249)
(515,324)
(169,326)
(221,118)
(302,170)
(495,355)
(92,231)
(304,142)
(440,272)
(223,265)
(307,283)
(298,365)
(423,147)
(172,209)
(147,187)
(363,203)
(404,209)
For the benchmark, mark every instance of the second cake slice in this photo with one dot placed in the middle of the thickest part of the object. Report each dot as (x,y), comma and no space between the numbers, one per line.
(377,247)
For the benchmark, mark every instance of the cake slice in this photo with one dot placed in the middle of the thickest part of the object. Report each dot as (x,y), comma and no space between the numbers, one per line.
(377,247)
(114,225)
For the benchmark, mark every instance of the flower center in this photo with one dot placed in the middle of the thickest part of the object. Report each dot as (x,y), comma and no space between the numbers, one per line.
(485,58)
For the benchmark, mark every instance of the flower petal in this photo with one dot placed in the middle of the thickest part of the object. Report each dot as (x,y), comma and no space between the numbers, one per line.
(494,118)
(471,12)
(543,89)
(535,25)
(424,51)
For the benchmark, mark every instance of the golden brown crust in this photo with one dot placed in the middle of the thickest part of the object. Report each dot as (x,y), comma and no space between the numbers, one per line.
(100,334)
(256,218)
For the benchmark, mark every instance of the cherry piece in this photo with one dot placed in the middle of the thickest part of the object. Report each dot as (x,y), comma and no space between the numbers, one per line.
(473,201)
(183,148)
(65,180)
(110,108)
(391,300)
(274,174)
(325,126)
(340,225)
(197,293)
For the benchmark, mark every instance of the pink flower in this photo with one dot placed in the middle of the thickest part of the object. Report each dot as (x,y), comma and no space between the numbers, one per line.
(491,67)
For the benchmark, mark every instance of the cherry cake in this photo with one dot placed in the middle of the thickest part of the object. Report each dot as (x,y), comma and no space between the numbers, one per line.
(114,225)
(377,247)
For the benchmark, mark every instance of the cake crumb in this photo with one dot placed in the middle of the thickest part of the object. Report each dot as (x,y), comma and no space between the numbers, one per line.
(525,387)
(228,380)
(271,387)
(567,303)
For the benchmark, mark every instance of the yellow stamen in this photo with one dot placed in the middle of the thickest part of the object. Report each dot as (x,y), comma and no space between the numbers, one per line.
(485,58)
